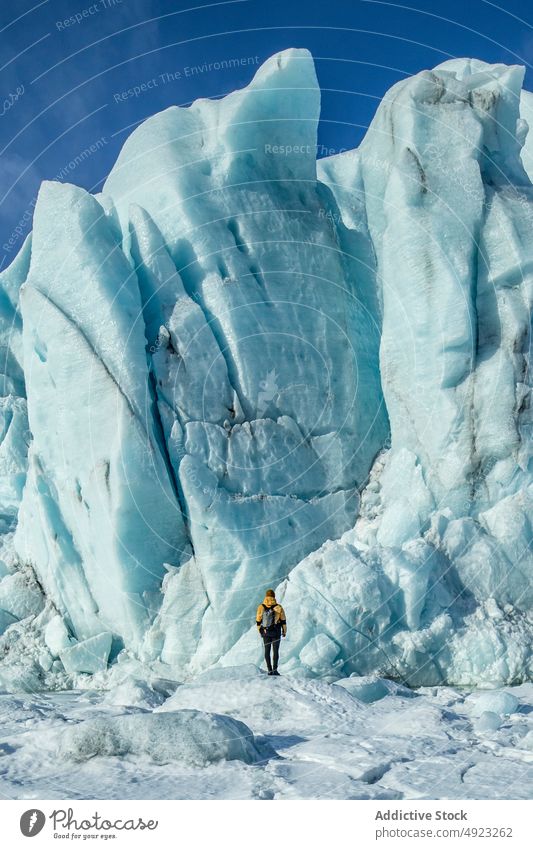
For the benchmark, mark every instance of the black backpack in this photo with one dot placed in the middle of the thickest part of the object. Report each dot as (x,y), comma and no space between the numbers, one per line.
(268,620)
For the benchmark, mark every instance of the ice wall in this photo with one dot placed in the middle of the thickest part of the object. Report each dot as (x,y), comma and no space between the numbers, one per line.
(99,515)
(205,356)
(240,373)
(263,340)
(442,548)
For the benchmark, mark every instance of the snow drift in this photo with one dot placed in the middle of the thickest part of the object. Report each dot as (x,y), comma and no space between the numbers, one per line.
(238,367)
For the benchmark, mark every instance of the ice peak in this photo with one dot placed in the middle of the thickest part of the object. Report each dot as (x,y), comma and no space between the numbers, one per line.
(291,68)
(266,130)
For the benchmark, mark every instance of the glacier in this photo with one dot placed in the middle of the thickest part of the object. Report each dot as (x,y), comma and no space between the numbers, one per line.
(239,367)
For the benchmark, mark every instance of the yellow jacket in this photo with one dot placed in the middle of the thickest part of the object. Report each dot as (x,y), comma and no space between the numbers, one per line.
(279,614)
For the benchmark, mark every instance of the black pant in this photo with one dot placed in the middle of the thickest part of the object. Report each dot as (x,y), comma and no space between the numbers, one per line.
(271,641)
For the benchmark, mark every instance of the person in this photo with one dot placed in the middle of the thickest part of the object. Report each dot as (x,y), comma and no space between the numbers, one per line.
(271,624)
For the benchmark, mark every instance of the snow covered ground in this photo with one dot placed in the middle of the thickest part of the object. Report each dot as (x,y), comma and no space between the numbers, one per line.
(270,738)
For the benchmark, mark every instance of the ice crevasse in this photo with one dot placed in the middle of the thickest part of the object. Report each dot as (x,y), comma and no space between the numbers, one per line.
(238,367)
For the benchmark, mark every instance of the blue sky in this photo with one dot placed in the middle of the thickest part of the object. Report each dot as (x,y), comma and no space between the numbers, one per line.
(64,66)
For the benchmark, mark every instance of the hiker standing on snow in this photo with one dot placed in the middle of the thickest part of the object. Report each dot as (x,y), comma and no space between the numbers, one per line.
(271,624)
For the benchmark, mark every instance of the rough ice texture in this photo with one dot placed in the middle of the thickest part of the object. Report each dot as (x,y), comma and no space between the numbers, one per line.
(190,736)
(233,372)
(290,738)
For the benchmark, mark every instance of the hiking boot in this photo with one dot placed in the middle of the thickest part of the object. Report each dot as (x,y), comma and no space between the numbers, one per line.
(274,672)
(271,673)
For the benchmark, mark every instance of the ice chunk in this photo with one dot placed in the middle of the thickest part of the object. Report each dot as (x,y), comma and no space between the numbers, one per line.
(56,635)
(488,721)
(501,703)
(320,653)
(20,595)
(370,688)
(135,693)
(191,737)
(87,656)
(6,619)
